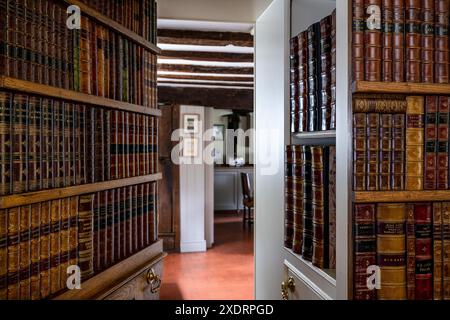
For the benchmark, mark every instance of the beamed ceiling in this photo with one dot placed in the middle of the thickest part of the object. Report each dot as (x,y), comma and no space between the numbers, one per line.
(203,64)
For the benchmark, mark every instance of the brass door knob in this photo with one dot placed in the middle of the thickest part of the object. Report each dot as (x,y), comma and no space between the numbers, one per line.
(153,280)
(286,286)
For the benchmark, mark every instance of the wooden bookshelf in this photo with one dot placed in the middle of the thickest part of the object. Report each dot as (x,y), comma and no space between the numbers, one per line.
(16,200)
(327,137)
(401,196)
(59,93)
(400,88)
(111,24)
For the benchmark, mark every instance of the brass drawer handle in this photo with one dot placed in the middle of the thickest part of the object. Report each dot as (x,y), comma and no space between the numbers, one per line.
(285,286)
(153,280)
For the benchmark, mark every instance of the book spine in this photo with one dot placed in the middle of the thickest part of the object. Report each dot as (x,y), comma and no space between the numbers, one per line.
(373,41)
(5,19)
(358,40)
(107,144)
(398,152)
(359,151)
(3,254)
(13,253)
(64,242)
(379,104)
(73,231)
(307,248)
(100,33)
(289,203)
(391,251)
(365,241)
(109,234)
(446,250)
(85,236)
(413,40)
(19,144)
(385,152)
(410,253)
(443,143)
(294,81)
(45,253)
(297,198)
(333,72)
(313,82)
(35,252)
(85,58)
(59,135)
(332,208)
(398,48)
(441,45)
(117,226)
(55,245)
(324,74)
(112,65)
(93,57)
(424,251)
(428,19)
(437,251)
(24,252)
(431,126)
(135,219)
(387,40)
(141,221)
(5,143)
(373,151)
(414,143)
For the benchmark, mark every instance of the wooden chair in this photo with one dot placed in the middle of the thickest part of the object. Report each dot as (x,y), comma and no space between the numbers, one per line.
(247,198)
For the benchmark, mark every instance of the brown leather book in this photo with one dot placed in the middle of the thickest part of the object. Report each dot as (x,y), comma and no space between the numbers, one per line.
(424,251)
(359,151)
(100,33)
(358,40)
(385,151)
(107,142)
(55,245)
(85,57)
(398,43)
(302,113)
(410,253)
(398,152)
(13,253)
(373,41)
(58,144)
(47,137)
(391,251)
(64,238)
(333,71)
(45,253)
(387,38)
(5,142)
(373,151)
(325,74)
(437,251)
(35,236)
(441,46)
(428,12)
(85,236)
(5,18)
(364,244)
(430,164)
(34,145)
(289,203)
(414,143)
(443,142)
(19,137)
(413,40)
(446,249)
(73,230)
(24,252)
(3,254)
(308,232)
(379,104)
(332,208)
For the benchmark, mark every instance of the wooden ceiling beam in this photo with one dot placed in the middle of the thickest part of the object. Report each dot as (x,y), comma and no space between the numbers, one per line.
(203,69)
(207,56)
(198,77)
(205,38)
(222,84)
(208,97)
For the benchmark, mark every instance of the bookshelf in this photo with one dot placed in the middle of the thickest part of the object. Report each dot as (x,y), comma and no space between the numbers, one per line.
(134,271)
(400,88)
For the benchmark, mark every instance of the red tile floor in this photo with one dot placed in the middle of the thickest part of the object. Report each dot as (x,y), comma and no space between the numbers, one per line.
(224,272)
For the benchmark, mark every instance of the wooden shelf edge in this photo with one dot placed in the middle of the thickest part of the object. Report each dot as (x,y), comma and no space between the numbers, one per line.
(400,87)
(106,282)
(329,134)
(17,200)
(401,196)
(85,9)
(59,93)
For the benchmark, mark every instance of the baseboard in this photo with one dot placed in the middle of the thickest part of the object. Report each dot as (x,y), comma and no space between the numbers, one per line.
(193,246)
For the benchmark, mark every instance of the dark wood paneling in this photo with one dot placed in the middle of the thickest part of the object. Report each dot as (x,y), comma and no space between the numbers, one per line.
(203,69)
(207,56)
(222,83)
(205,38)
(196,77)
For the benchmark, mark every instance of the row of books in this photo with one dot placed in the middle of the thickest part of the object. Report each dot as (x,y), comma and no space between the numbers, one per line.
(401,143)
(46,143)
(138,16)
(410,243)
(37,46)
(310,203)
(401,40)
(40,241)
(313,77)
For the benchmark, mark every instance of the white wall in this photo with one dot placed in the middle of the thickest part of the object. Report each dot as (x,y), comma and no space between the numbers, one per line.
(271,117)
(209,188)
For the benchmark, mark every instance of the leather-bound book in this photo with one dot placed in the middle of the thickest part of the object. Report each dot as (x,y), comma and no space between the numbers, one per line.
(142,158)
(126,141)
(64,239)
(146,210)
(117,226)
(79,144)
(99,31)
(359,151)
(141,219)
(125,71)
(320,157)
(437,251)
(373,42)
(414,143)
(313,73)
(85,57)
(385,151)
(333,72)
(413,36)
(387,27)
(93,58)
(369,103)
(55,245)
(24,252)
(58,140)
(5,142)
(73,230)
(398,152)
(359,25)
(308,232)
(135,219)
(410,253)
(373,151)
(107,144)
(76,44)
(114,136)
(85,236)
(3,254)
(303,81)
(332,208)
(119,69)
(44,250)
(69,144)
(424,251)
(123,223)
(19,172)
(109,234)
(398,44)
(52,45)
(391,251)
(325,74)
(4,40)
(297,186)
(34,251)
(132,144)
(442,60)
(365,242)
(446,250)
(289,208)
(96,232)
(431,124)
(443,142)
(112,66)
(428,19)
(47,144)
(13,253)
(99,145)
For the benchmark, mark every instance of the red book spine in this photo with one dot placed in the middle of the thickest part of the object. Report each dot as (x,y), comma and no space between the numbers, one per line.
(373,41)
(424,251)
(413,41)
(443,143)
(441,52)
(431,109)
(135,219)
(428,12)
(398,45)
(387,37)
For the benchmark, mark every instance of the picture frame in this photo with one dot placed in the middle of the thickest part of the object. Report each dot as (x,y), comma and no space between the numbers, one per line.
(190,147)
(191,123)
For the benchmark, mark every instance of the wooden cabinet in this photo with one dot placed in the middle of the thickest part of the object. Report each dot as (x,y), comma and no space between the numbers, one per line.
(228,187)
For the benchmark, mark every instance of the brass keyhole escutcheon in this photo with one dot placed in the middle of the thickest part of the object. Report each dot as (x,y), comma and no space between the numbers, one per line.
(153,280)
(286,286)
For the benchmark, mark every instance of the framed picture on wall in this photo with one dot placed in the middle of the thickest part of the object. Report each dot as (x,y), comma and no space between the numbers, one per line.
(191,123)
(190,147)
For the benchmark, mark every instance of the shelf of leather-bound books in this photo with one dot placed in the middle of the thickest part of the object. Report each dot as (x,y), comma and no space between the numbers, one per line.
(10,83)
(321,137)
(118,27)
(400,88)
(401,196)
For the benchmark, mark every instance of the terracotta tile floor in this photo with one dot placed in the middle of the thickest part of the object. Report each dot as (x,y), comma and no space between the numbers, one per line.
(224,272)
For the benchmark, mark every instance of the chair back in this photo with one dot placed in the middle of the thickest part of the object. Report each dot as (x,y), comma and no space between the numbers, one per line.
(245,180)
